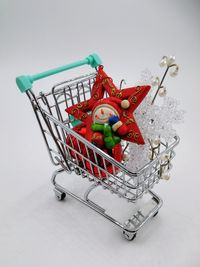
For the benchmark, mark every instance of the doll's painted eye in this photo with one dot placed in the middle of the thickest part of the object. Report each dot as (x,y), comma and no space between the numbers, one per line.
(96,116)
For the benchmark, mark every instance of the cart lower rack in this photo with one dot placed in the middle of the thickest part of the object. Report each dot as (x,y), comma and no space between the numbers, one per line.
(56,127)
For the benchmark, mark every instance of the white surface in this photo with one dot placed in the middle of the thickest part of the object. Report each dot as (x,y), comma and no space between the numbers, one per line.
(35,229)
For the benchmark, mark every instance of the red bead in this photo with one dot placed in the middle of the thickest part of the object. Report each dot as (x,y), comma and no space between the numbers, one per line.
(122,130)
(98,139)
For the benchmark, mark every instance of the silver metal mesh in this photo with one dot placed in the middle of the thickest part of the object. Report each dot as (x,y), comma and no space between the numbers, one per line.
(56,128)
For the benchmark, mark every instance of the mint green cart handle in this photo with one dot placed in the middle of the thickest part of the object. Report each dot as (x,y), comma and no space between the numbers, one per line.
(25,82)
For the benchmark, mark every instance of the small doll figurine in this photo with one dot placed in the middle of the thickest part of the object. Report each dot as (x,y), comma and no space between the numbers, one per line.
(106,124)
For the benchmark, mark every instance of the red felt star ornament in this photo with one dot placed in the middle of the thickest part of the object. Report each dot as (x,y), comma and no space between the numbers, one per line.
(133,97)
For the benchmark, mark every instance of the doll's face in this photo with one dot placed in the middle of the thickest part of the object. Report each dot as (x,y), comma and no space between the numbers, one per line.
(103,112)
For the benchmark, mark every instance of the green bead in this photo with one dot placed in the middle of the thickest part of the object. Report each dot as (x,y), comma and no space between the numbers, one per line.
(109,142)
(109,139)
(97,127)
(107,130)
(116,139)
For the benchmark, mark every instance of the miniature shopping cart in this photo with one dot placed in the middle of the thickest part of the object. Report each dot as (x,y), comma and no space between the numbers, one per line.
(56,126)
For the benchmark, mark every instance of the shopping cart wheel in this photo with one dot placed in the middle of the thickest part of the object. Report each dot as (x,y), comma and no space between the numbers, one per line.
(59,195)
(129,236)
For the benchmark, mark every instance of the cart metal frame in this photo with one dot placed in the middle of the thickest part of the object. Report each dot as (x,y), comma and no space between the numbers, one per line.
(56,126)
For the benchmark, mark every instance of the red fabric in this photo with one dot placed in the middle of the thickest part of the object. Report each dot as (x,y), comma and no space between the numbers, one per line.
(81,151)
(103,83)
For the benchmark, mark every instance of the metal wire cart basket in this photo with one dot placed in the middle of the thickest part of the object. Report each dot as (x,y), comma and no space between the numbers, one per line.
(56,127)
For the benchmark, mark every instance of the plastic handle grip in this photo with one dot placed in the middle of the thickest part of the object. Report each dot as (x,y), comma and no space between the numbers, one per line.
(25,83)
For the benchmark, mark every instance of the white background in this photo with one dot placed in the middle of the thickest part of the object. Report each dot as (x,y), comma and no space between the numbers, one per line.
(35,229)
